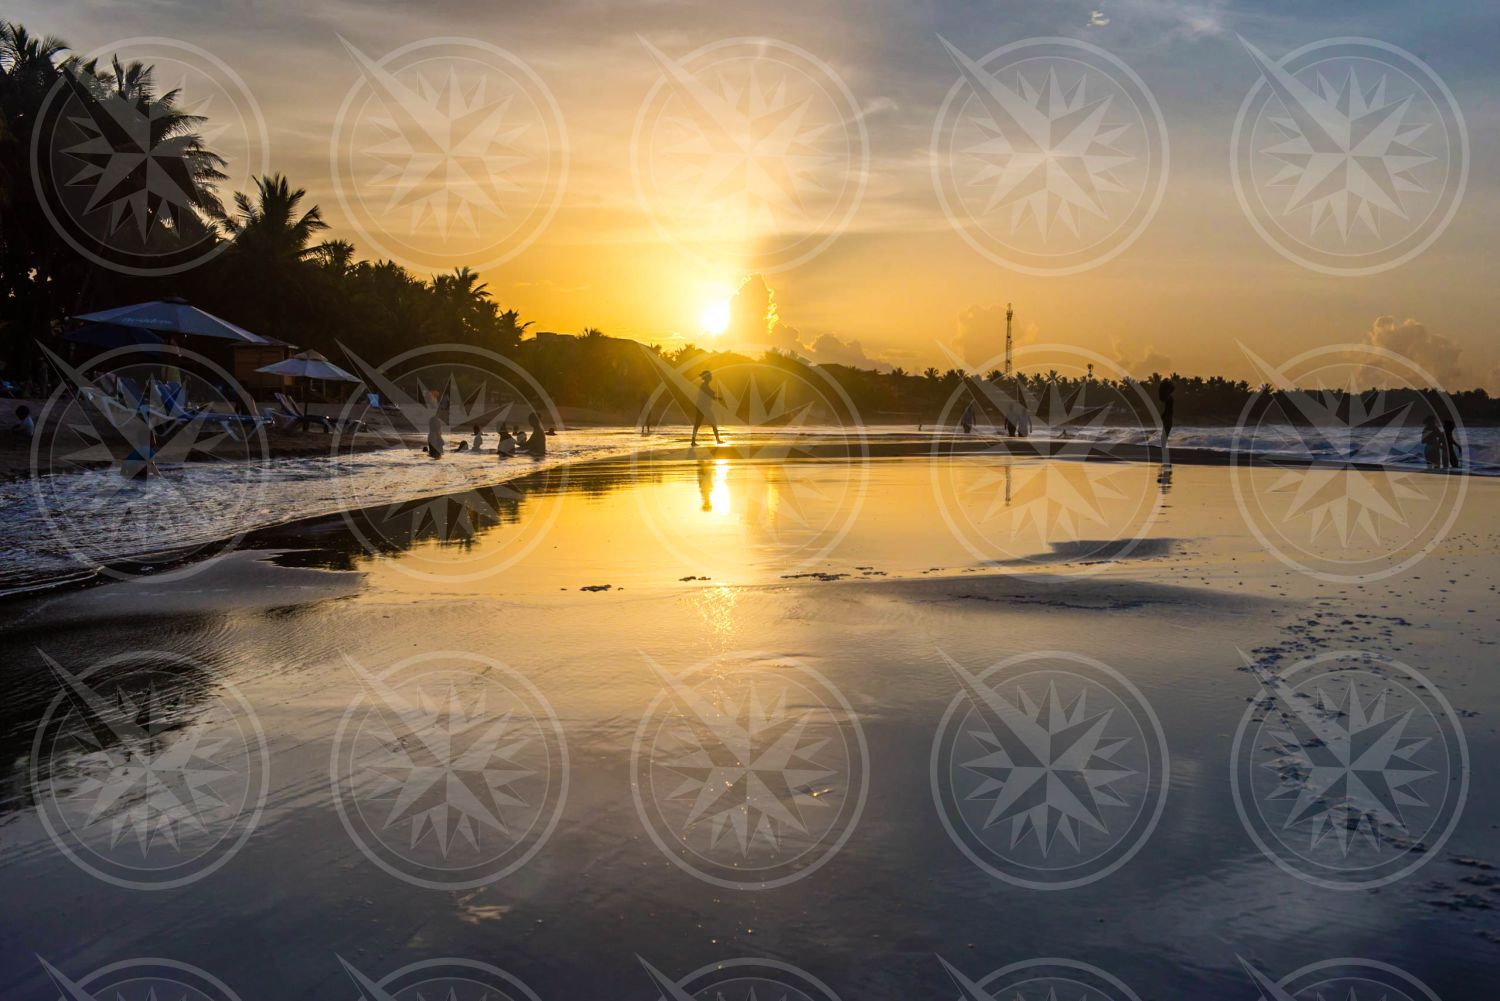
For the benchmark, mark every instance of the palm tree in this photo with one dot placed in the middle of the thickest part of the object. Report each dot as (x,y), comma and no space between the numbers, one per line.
(268,228)
(272,260)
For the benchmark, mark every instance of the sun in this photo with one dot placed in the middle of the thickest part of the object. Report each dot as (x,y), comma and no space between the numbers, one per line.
(714,318)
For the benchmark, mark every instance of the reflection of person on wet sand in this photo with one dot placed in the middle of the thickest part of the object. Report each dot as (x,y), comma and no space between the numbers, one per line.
(706,484)
(705,408)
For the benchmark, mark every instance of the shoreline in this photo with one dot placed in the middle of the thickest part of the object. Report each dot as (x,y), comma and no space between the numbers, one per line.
(652,451)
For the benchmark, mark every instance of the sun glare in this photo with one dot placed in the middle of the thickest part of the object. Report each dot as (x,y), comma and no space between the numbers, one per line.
(715,316)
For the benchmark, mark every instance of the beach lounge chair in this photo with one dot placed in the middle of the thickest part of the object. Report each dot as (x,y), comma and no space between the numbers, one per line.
(174,403)
(292,413)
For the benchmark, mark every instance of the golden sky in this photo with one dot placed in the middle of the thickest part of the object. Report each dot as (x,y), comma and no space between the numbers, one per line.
(1149,179)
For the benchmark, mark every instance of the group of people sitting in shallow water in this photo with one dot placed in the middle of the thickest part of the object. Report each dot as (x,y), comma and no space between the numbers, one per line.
(509,444)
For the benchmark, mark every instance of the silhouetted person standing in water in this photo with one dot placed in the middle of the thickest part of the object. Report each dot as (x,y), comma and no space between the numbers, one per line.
(1168,405)
(536,442)
(706,400)
(1450,444)
(967,420)
(1434,445)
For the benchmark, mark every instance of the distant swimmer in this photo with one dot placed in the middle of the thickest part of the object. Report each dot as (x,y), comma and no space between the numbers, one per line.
(705,408)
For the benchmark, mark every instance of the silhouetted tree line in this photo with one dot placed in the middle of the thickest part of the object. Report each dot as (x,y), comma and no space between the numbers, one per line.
(277,274)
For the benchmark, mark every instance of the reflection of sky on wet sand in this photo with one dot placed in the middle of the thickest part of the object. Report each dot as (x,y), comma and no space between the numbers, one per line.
(1172,618)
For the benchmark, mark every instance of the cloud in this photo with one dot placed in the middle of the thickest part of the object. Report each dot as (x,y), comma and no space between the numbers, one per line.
(755,322)
(1411,339)
(1170,20)
(1139,362)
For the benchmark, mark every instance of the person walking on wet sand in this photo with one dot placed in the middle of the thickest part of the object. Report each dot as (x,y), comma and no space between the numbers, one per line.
(1166,394)
(706,400)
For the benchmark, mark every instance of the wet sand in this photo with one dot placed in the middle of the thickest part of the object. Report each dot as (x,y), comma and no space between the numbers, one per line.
(293,619)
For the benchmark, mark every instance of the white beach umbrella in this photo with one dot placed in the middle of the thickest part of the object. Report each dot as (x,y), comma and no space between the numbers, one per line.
(309,365)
